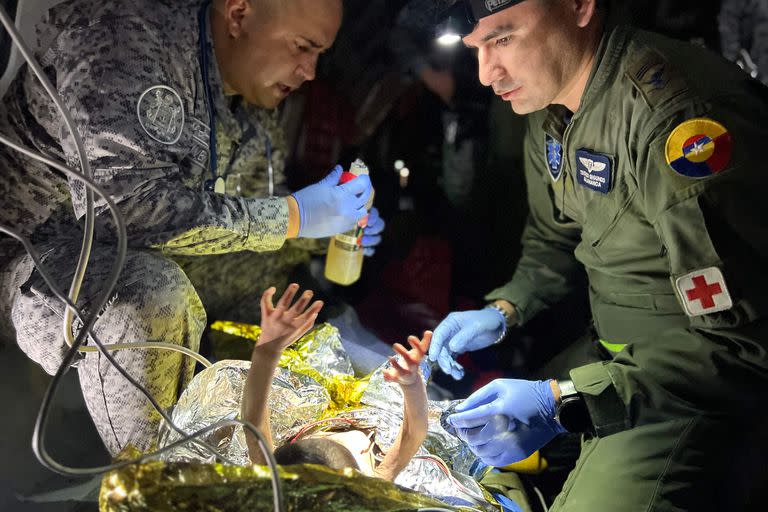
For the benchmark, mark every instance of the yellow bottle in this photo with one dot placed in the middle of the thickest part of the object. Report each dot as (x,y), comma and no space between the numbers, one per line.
(344,261)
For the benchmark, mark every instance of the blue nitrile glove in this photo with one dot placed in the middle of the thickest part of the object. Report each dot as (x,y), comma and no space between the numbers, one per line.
(372,232)
(461,332)
(327,208)
(507,420)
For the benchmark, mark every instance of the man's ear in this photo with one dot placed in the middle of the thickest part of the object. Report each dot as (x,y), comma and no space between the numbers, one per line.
(584,11)
(235,12)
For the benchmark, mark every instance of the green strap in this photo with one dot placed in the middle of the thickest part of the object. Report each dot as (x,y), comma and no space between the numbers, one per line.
(613,347)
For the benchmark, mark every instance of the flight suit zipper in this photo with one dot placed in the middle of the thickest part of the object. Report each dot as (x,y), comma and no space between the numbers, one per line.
(566,165)
(562,198)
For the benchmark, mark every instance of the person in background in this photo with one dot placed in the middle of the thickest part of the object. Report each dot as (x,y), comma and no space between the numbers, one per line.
(744,35)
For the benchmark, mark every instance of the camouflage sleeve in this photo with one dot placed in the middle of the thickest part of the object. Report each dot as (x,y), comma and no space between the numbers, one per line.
(314,246)
(102,72)
(548,270)
(708,210)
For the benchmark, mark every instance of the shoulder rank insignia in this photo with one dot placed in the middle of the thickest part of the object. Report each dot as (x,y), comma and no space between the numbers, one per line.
(699,148)
(703,292)
(594,171)
(554,156)
(161,114)
(655,79)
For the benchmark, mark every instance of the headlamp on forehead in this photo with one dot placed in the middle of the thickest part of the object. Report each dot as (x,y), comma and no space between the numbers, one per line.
(460,19)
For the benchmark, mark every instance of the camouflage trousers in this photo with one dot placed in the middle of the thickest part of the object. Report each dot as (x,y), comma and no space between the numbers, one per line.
(155,300)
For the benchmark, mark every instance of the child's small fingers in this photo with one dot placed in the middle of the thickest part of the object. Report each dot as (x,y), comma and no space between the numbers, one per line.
(287,297)
(397,365)
(406,354)
(311,312)
(307,325)
(266,300)
(416,344)
(389,375)
(301,304)
(316,306)
(422,344)
(426,340)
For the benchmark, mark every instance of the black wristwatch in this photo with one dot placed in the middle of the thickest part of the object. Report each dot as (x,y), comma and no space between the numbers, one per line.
(572,413)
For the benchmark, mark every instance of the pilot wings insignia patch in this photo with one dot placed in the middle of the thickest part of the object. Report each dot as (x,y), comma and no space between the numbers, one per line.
(591,165)
(594,171)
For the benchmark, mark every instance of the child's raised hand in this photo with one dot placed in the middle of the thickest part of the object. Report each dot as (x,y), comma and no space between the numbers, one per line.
(405,370)
(282,324)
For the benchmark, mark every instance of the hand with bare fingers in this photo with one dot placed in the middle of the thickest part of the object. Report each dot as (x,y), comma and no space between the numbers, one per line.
(286,321)
(405,369)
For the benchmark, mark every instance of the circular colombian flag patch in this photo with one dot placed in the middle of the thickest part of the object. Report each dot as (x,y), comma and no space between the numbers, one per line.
(699,148)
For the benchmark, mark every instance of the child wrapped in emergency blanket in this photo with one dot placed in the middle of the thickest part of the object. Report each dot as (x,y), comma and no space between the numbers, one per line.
(308,404)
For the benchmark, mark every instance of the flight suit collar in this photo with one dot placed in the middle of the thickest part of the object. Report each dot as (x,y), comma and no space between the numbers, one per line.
(607,61)
(556,121)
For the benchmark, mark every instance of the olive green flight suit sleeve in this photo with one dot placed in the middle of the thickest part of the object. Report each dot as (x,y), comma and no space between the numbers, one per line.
(548,269)
(718,365)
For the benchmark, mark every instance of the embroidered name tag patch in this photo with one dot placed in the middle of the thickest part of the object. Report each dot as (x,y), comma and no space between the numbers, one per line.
(594,171)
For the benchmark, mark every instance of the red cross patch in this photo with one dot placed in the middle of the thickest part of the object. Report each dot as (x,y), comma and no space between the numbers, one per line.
(703,292)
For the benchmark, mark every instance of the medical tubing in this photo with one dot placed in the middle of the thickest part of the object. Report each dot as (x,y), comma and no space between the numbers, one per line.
(70,303)
(41,421)
(39,433)
(67,301)
(541,499)
(46,277)
(85,249)
(113,347)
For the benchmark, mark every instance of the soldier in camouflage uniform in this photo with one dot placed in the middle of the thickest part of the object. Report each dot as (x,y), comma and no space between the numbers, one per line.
(645,167)
(225,282)
(147,91)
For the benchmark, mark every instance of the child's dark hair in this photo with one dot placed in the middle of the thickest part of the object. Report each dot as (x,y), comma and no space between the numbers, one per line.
(316,451)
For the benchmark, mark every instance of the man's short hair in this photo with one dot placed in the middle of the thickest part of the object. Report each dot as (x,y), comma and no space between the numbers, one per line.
(324,452)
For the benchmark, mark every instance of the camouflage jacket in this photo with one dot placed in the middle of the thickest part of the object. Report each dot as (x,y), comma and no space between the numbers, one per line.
(130,73)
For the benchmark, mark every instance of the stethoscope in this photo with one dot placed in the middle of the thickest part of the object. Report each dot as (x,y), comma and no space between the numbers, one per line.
(217,183)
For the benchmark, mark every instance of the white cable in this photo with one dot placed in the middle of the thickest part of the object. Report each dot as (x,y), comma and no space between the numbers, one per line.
(119,346)
(37,438)
(85,249)
(541,498)
(37,441)
(150,345)
(111,283)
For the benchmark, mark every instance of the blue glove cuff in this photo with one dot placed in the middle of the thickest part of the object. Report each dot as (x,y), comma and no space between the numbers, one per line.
(301,213)
(503,316)
(548,404)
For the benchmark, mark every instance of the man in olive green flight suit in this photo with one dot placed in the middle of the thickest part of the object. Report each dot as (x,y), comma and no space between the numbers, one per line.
(645,166)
